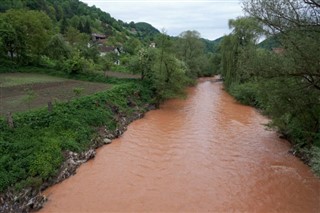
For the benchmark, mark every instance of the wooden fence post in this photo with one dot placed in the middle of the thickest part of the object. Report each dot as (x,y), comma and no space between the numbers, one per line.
(50,107)
(10,120)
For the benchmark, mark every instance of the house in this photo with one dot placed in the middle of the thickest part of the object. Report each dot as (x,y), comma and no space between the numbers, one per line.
(99,38)
(278,50)
(152,45)
(109,49)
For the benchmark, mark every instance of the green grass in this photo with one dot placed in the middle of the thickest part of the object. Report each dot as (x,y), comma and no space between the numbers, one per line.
(16,79)
(32,152)
(89,76)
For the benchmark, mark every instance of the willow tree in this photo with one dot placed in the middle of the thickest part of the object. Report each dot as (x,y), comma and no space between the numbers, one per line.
(245,34)
(190,49)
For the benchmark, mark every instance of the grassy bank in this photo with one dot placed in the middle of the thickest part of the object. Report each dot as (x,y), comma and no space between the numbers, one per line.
(33,150)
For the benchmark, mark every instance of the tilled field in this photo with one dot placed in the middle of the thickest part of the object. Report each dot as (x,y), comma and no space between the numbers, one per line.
(26,95)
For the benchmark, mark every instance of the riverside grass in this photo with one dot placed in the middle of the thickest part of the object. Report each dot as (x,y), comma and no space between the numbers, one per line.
(32,151)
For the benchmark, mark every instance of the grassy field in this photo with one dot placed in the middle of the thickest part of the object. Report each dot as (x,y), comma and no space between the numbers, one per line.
(23,91)
(16,79)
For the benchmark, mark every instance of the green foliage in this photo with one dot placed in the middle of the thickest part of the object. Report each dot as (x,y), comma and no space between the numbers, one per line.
(77,91)
(76,64)
(32,152)
(270,42)
(166,74)
(246,93)
(145,30)
(57,48)
(237,48)
(315,159)
(190,49)
(25,34)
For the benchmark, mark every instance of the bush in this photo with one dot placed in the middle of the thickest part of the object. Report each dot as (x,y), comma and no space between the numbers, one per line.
(76,64)
(315,159)
(246,93)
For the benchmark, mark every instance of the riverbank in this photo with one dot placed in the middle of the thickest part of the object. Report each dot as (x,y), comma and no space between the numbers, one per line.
(44,148)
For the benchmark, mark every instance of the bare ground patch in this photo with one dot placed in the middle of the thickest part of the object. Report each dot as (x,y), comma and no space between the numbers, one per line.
(121,75)
(26,96)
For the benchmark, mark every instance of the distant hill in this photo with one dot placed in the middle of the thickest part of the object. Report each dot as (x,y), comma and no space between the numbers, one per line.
(212,46)
(146,30)
(82,17)
(270,43)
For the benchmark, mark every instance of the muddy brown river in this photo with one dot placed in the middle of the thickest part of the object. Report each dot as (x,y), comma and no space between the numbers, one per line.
(203,154)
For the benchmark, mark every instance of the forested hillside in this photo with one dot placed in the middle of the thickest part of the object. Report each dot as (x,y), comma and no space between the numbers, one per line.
(30,28)
(281,75)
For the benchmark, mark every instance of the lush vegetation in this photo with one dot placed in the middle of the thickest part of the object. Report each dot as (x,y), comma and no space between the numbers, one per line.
(33,150)
(283,82)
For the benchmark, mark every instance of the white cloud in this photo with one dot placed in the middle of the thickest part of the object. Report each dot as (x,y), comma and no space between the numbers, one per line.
(209,17)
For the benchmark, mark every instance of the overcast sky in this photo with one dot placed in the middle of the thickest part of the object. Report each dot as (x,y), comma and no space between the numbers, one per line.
(209,17)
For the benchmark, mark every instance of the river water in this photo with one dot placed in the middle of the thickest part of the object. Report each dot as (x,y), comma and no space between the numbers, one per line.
(203,154)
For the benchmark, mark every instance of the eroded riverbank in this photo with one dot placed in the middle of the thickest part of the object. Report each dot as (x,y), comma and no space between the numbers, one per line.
(205,153)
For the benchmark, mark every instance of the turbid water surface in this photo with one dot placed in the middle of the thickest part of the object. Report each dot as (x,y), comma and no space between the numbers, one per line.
(203,154)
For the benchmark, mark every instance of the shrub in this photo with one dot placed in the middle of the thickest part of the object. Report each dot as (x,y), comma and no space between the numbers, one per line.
(246,93)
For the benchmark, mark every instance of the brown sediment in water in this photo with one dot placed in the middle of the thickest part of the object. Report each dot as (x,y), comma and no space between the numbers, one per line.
(205,153)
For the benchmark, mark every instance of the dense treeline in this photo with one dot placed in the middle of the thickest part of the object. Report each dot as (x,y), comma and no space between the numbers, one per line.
(285,81)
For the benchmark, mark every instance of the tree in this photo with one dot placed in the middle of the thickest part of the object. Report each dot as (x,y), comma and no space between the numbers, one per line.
(298,24)
(132,45)
(190,48)
(237,46)
(285,85)
(8,39)
(75,37)
(29,33)
(57,48)
(159,66)
(168,77)
(87,27)
(64,26)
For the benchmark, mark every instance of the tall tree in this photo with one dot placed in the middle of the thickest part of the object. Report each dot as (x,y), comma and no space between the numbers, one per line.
(239,44)
(190,48)
(298,24)
(30,31)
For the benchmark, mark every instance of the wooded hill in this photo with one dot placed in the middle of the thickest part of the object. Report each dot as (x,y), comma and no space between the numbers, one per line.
(82,17)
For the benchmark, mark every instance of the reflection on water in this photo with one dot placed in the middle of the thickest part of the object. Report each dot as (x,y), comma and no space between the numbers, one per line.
(205,153)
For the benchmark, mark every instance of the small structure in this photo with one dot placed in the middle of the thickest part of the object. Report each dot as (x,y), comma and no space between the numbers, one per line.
(278,50)
(100,38)
(109,49)
(152,45)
